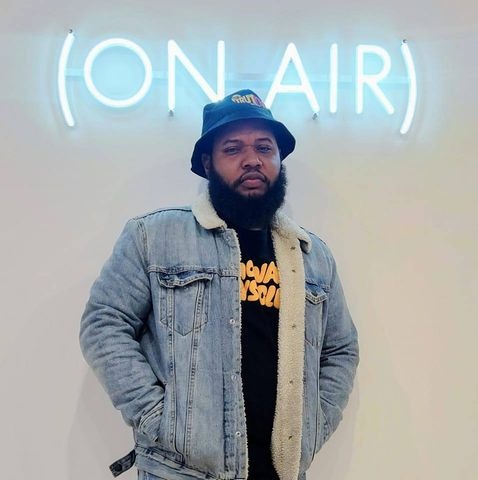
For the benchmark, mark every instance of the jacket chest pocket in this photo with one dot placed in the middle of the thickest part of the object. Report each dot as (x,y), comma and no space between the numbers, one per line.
(314,302)
(184,299)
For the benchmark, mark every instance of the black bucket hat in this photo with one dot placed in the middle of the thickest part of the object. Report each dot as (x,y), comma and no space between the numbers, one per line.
(240,105)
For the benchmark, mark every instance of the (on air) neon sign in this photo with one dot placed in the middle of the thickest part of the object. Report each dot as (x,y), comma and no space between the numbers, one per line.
(291,56)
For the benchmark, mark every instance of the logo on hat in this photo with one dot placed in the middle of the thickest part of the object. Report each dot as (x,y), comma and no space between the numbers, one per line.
(249,98)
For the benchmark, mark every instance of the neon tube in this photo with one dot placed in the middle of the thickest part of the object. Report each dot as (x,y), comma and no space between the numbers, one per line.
(292,55)
(412,88)
(334,77)
(64,55)
(123,43)
(372,80)
(175,52)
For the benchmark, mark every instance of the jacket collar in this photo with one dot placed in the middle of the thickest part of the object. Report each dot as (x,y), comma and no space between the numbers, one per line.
(208,218)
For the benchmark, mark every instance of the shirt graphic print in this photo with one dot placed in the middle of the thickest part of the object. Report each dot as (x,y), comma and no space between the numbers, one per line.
(260,283)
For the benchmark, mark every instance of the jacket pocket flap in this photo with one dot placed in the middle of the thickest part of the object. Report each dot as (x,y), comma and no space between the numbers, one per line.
(180,279)
(314,293)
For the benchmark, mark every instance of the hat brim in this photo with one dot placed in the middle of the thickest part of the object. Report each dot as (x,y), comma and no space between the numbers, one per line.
(285,140)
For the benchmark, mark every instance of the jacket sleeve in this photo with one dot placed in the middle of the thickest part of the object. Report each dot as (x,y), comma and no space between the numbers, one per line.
(339,356)
(115,313)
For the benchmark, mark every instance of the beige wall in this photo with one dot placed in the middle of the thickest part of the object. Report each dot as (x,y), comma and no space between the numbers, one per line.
(398,213)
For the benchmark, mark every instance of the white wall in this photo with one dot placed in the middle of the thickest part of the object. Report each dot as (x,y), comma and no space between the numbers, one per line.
(398,212)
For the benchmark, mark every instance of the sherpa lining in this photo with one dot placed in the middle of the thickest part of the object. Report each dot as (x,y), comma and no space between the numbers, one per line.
(288,240)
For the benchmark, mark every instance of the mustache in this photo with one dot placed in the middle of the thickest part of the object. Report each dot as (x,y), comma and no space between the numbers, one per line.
(246,175)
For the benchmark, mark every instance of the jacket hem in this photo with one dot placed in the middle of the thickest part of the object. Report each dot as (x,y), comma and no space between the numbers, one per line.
(164,467)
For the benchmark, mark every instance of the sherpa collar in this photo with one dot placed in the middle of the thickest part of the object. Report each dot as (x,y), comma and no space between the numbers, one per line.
(288,240)
(207,216)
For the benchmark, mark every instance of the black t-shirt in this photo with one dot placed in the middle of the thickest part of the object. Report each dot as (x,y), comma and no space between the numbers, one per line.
(260,300)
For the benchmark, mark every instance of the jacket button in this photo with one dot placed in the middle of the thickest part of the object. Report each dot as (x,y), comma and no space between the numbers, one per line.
(232,321)
(238,434)
(233,376)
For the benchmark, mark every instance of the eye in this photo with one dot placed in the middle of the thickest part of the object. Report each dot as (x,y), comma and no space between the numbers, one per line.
(231,150)
(264,148)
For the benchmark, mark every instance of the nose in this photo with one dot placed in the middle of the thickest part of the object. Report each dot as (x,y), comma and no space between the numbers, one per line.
(251,157)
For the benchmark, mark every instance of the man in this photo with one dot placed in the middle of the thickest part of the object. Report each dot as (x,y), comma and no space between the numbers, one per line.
(221,331)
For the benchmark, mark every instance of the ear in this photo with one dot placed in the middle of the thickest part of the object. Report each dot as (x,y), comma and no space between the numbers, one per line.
(206,163)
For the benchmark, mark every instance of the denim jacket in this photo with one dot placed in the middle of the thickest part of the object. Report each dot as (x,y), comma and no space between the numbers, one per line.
(162,332)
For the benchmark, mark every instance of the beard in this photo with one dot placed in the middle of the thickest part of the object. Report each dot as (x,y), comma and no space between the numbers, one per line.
(251,211)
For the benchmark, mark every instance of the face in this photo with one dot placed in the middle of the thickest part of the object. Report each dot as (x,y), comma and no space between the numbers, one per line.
(246,156)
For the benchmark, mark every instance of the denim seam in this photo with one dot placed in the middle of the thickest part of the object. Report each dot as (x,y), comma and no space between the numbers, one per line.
(144,243)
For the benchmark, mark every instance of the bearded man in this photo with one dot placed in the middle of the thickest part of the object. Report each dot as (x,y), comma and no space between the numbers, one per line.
(221,330)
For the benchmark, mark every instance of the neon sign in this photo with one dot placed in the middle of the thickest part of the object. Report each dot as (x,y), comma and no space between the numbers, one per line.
(290,59)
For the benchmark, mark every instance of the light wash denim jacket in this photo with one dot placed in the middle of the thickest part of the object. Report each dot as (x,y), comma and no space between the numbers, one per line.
(162,332)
